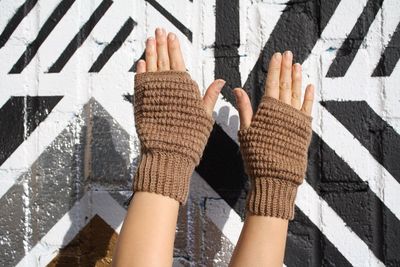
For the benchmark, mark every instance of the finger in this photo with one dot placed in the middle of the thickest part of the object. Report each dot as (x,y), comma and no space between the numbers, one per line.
(151,54)
(296,86)
(274,70)
(176,61)
(308,100)
(162,50)
(285,81)
(141,66)
(211,95)
(244,107)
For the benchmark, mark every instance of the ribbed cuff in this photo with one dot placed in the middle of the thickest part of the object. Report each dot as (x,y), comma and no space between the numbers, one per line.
(272,197)
(165,174)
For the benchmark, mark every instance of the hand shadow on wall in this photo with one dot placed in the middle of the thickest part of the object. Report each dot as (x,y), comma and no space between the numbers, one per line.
(100,162)
(199,239)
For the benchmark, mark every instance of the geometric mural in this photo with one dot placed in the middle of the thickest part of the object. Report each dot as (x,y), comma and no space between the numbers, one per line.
(68,144)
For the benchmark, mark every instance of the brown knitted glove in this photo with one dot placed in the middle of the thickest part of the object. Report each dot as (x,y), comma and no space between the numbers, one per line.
(173,128)
(274,149)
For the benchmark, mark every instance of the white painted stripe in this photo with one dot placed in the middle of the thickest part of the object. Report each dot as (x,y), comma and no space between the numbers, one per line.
(25,34)
(8,9)
(381,182)
(182,10)
(59,235)
(36,143)
(61,36)
(334,228)
(107,91)
(92,203)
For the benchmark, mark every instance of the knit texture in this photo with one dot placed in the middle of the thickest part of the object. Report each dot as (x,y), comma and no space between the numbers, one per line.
(274,149)
(173,128)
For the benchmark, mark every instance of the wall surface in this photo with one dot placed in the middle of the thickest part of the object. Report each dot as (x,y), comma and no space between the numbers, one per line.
(68,146)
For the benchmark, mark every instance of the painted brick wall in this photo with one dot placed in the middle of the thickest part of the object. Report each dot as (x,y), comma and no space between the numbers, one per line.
(68,146)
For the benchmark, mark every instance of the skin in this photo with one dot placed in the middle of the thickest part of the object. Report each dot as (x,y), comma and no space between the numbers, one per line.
(147,237)
(263,239)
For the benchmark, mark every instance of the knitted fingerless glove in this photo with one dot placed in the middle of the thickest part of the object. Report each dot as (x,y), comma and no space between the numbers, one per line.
(274,149)
(173,128)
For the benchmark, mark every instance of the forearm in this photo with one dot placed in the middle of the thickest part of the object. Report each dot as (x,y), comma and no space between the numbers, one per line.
(274,146)
(148,233)
(261,242)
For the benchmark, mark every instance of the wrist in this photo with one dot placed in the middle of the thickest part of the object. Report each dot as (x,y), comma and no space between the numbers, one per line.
(163,173)
(272,197)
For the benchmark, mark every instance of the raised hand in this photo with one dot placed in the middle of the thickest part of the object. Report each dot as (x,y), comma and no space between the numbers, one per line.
(164,53)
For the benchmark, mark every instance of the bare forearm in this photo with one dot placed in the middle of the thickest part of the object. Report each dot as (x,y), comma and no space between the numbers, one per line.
(148,233)
(261,242)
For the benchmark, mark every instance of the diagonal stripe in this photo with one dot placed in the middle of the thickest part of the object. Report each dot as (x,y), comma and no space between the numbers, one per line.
(308,246)
(133,68)
(300,36)
(350,46)
(375,134)
(16,20)
(113,46)
(20,116)
(390,56)
(44,32)
(172,19)
(92,203)
(47,188)
(352,198)
(222,168)
(336,230)
(98,232)
(80,37)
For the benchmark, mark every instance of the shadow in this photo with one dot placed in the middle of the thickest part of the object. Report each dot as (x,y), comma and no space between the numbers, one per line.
(100,163)
(222,168)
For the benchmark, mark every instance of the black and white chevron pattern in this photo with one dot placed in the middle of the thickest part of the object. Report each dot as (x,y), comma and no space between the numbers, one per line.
(68,145)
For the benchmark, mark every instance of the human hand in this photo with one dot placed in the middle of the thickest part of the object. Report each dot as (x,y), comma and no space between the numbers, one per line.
(274,142)
(163,53)
(172,120)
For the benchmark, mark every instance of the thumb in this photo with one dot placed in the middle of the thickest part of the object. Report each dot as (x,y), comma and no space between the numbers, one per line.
(244,107)
(211,95)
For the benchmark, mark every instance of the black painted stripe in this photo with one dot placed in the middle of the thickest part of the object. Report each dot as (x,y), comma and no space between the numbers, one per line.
(390,56)
(21,13)
(222,168)
(294,31)
(350,46)
(133,68)
(306,245)
(12,117)
(375,134)
(353,200)
(80,37)
(113,46)
(227,42)
(182,28)
(44,32)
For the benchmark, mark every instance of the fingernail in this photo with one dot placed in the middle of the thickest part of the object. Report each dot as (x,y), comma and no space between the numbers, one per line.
(277,56)
(297,66)
(288,54)
(237,93)
(171,36)
(221,84)
(159,31)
